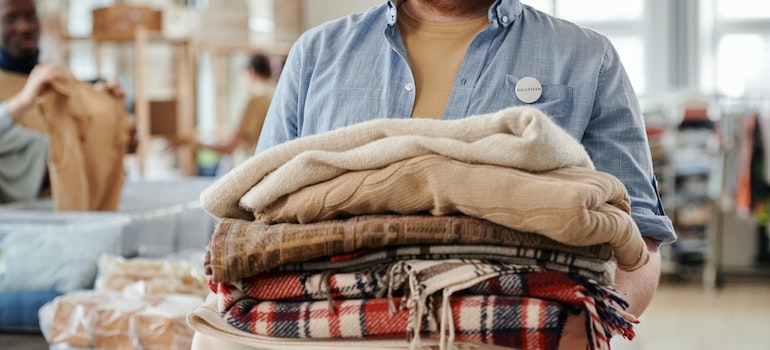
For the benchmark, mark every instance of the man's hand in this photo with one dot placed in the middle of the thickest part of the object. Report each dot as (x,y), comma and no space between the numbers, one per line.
(38,81)
(636,287)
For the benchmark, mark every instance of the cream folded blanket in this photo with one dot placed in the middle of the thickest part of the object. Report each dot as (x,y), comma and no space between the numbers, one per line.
(572,205)
(517,137)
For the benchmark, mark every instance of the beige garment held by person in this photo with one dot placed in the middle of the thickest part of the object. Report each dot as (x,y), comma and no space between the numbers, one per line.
(88,132)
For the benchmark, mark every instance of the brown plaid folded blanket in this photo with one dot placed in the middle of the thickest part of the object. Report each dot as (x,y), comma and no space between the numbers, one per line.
(241,248)
(481,302)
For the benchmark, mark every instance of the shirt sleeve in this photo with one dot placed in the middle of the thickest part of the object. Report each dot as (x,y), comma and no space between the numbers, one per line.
(616,140)
(6,122)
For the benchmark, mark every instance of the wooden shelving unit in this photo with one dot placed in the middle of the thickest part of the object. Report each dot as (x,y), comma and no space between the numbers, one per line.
(149,122)
(182,107)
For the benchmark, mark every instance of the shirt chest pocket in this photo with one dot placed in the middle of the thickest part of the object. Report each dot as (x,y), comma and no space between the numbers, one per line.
(554,100)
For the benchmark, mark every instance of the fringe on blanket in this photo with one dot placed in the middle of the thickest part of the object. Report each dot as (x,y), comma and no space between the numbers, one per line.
(603,318)
(428,298)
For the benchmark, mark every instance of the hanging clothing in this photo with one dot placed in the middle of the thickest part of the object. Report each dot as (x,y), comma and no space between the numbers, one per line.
(743,185)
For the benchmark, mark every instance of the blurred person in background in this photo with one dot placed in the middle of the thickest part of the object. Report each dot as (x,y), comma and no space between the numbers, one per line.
(243,141)
(23,78)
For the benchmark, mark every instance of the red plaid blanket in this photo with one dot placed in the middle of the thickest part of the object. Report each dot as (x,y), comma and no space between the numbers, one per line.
(307,305)
(517,322)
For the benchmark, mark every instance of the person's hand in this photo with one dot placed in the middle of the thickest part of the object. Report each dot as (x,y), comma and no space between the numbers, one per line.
(174,143)
(39,79)
(574,335)
(112,87)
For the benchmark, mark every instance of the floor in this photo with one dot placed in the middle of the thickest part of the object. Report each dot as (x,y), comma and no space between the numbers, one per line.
(686,316)
(23,342)
(683,316)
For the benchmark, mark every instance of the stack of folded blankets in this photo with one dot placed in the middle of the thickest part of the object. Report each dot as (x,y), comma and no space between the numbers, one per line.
(486,230)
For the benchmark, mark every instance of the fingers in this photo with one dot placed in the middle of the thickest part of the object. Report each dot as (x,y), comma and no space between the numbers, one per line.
(38,80)
(42,75)
(112,87)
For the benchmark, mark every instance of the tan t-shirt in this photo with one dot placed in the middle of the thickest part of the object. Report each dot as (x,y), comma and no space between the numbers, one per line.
(252,119)
(435,52)
(250,126)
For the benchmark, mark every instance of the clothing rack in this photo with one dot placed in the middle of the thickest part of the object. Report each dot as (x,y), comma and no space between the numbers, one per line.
(681,130)
(732,133)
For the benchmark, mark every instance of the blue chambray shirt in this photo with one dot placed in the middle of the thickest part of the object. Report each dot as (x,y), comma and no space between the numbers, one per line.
(355,69)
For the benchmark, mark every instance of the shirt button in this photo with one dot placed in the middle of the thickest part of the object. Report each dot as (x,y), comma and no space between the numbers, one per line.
(505,19)
(409,86)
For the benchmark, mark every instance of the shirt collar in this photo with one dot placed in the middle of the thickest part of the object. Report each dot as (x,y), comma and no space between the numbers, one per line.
(18,65)
(502,11)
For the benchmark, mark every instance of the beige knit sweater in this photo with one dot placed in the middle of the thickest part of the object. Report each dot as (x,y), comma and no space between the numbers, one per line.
(518,137)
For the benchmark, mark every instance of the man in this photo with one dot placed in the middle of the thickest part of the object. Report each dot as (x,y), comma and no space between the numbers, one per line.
(450,59)
(23,150)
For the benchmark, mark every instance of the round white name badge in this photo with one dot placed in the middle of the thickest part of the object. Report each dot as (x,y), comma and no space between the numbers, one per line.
(528,90)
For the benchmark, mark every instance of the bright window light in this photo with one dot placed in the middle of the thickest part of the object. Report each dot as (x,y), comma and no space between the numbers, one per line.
(542,5)
(631,52)
(600,10)
(746,9)
(739,62)
(261,25)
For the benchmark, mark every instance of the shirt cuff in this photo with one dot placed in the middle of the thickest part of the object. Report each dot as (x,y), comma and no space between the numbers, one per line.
(657,227)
